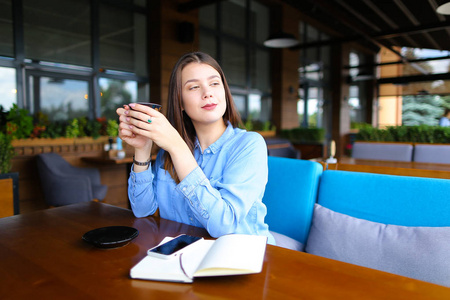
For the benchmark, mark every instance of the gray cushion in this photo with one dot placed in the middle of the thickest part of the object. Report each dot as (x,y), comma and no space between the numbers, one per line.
(284,241)
(418,252)
(432,153)
(382,151)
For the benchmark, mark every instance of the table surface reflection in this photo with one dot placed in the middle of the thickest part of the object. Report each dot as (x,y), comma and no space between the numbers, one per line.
(43,257)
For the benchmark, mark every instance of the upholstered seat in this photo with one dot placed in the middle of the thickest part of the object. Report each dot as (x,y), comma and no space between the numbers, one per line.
(396,224)
(432,153)
(290,195)
(281,148)
(382,151)
(65,184)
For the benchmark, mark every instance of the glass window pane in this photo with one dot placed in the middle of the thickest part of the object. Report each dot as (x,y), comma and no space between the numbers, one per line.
(122,40)
(260,22)
(207,16)
(63,99)
(115,93)
(254,106)
(8,88)
(6,29)
(57,31)
(234,62)
(261,71)
(233,17)
(239,100)
(207,44)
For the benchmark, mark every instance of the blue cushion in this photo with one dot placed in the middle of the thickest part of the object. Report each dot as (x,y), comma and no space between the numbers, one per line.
(388,199)
(290,195)
(418,252)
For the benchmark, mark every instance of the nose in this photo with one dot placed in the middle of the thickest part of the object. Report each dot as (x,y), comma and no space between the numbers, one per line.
(207,94)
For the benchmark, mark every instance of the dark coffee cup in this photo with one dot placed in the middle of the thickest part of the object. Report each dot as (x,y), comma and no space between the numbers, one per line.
(155,106)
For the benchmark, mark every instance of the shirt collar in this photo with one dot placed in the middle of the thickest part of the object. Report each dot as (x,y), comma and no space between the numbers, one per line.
(217,145)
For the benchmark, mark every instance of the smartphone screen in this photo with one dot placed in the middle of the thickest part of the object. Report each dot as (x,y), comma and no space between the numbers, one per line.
(174,245)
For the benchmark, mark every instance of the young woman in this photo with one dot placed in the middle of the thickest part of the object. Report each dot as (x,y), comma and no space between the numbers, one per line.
(208,173)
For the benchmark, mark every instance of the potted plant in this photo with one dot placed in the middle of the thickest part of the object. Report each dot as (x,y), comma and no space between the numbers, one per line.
(6,155)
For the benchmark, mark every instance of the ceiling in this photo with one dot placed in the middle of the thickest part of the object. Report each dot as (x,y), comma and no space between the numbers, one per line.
(381,23)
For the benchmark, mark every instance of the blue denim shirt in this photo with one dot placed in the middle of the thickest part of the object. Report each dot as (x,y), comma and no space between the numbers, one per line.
(223,194)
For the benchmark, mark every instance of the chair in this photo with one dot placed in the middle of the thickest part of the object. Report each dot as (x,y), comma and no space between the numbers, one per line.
(382,151)
(290,195)
(432,153)
(281,148)
(65,184)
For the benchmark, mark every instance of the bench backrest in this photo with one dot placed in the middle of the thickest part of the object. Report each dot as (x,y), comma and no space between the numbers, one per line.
(382,151)
(290,195)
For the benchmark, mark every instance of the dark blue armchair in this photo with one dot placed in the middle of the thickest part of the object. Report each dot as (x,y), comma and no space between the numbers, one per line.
(65,184)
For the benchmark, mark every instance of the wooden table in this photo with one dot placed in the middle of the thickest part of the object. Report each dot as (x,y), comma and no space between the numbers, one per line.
(43,257)
(396,164)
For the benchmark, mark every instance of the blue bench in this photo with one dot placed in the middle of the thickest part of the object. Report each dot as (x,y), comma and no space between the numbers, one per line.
(396,224)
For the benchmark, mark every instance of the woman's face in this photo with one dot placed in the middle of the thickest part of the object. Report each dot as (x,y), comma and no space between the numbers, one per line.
(203,94)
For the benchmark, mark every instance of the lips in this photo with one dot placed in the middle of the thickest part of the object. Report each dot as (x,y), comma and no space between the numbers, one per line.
(209,106)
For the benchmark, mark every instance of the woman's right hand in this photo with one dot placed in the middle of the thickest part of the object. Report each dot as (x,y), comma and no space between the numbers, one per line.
(139,142)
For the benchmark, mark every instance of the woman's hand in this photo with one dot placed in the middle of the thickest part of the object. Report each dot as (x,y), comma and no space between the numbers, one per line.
(126,133)
(140,124)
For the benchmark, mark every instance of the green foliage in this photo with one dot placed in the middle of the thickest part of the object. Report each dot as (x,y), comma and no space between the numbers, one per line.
(304,135)
(257,125)
(73,129)
(112,128)
(421,110)
(19,124)
(412,134)
(93,128)
(6,153)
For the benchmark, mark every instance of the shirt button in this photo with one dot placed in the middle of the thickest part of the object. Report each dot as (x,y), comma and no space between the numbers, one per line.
(208,151)
(184,189)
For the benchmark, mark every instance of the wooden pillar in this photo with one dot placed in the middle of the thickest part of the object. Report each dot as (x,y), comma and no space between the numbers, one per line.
(284,71)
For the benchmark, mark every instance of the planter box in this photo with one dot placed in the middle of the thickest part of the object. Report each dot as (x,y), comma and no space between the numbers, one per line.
(9,194)
(267,134)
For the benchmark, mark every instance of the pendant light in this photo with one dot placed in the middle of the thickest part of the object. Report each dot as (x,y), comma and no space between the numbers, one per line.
(281,40)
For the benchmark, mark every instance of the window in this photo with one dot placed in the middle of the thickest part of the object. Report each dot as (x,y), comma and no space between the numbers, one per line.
(313,76)
(115,93)
(6,29)
(8,88)
(412,101)
(62,99)
(57,31)
(79,58)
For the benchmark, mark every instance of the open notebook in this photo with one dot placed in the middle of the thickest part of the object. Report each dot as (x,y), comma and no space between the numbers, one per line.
(233,254)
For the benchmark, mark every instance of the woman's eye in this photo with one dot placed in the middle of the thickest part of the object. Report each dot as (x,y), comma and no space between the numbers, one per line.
(215,83)
(193,87)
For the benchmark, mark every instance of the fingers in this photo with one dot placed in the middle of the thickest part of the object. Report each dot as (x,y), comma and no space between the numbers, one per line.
(144,109)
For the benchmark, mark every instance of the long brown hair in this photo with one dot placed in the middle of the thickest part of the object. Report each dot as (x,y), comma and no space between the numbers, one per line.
(178,118)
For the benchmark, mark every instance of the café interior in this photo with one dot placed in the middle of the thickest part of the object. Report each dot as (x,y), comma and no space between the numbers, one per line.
(291,65)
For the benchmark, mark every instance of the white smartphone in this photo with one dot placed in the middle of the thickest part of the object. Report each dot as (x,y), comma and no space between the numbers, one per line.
(173,247)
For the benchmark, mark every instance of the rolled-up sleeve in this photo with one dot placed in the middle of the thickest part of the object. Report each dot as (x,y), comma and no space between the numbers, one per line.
(141,192)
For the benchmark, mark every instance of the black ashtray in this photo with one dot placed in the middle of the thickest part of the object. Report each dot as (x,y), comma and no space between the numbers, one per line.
(111,236)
